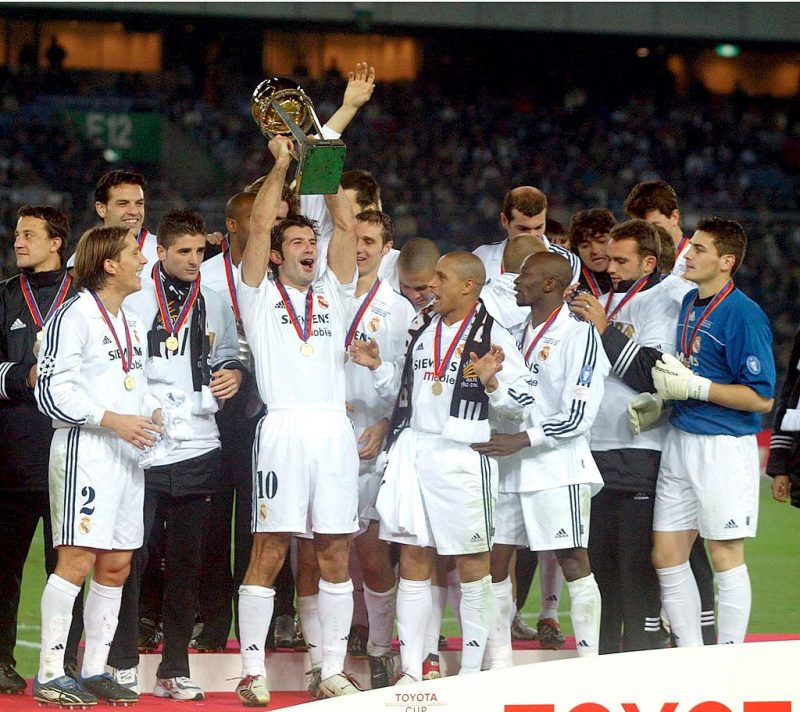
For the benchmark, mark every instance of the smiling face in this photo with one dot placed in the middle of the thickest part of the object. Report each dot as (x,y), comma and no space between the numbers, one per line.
(298,264)
(370,249)
(126,271)
(183,256)
(125,207)
(35,250)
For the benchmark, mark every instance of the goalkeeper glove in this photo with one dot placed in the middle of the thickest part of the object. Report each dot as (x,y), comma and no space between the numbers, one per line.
(674,381)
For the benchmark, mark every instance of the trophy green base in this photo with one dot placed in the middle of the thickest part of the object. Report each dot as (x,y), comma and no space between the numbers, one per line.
(321,167)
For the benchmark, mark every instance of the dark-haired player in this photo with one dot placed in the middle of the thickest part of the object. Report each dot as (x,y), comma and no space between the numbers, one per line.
(720,385)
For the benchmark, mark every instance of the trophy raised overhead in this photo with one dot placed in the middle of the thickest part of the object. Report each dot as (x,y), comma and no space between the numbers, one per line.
(280,107)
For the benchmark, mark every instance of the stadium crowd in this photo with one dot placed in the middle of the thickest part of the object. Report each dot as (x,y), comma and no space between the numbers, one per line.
(442,410)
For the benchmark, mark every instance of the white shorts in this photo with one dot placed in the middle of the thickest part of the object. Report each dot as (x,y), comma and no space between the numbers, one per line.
(547,520)
(305,473)
(96,490)
(457,488)
(369,482)
(708,483)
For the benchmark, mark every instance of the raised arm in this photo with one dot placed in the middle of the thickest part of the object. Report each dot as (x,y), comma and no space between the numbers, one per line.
(342,250)
(360,86)
(255,259)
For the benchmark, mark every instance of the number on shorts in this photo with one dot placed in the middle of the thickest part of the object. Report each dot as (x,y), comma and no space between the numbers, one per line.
(87,492)
(267,486)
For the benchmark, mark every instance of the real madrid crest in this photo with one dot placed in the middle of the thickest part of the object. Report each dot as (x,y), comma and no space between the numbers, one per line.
(544,354)
(696,344)
(322,301)
(85,525)
(459,350)
(262,512)
(373,324)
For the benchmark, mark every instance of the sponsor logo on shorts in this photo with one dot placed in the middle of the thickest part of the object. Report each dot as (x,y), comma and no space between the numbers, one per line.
(731,524)
(561,534)
(475,538)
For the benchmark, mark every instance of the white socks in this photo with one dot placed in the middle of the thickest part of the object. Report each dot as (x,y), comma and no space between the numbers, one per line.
(308,610)
(498,645)
(478,612)
(57,601)
(434,627)
(380,611)
(681,601)
(734,604)
(551,581)
(585,610)
(413,612)
(256,604)
(335,604)
(100,618)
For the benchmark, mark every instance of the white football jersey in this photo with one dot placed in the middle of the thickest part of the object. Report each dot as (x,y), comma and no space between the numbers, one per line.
(568,367)
(649,319)
(286,378)
(80,367)
(386,321)
(431,412)
(492,257)
(500,298)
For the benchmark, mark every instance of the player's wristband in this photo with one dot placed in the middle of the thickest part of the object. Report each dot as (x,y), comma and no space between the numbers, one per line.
(699,388)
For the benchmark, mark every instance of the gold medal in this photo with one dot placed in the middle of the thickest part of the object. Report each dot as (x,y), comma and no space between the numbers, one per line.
(172,343)
(130,382)
(40,335)
(437,388)
(346,356)
(306,349)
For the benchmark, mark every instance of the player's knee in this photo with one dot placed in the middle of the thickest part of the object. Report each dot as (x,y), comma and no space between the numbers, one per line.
(574,563)
(726,555)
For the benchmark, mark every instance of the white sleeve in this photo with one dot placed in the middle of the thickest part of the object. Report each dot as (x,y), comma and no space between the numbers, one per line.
(401,321)
(226,343)
(513,396)
(585,369)
(58,393)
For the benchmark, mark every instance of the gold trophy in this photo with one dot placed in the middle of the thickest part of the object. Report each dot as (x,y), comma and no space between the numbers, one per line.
(280,107)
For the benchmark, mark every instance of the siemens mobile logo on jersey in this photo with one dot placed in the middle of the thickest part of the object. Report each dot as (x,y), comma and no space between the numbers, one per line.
(115,354)
(319,320)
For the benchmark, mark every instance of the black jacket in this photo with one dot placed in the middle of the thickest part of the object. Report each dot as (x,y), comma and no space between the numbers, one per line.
(25,433)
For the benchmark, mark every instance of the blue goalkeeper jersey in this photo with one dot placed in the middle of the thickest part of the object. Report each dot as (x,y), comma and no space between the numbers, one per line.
(733,345)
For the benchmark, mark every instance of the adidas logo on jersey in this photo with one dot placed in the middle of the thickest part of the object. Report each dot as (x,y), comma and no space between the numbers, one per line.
(106,341)
(58,646)
(561,534)
(582,644)
(730,524)
(18,324)
(473,644)
(475,538)
(420,346)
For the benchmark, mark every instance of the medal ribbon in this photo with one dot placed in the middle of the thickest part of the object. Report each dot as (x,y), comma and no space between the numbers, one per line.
(163,305)
(33,307)
(681,246)
(719,297)
(303,333)
(440,366)
(142,237)
(637,287)
(127,361)
(351,332)
(547,324)
(591,280)
(226,257)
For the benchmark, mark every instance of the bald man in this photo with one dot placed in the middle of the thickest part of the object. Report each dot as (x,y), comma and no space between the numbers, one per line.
(524,213)
(437,494)
(545,496)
